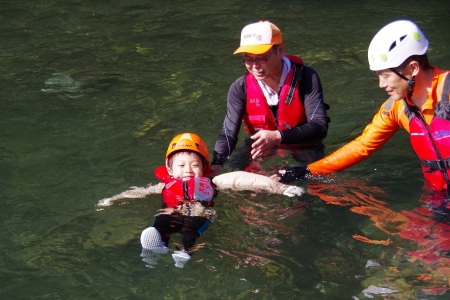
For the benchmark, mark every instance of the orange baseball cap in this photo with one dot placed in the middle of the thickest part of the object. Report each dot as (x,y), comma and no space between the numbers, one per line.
(258,38)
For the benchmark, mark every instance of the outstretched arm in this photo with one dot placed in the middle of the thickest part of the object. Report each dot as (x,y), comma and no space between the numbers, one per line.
(384,124)
(228,137)
(134,192)
(241,181)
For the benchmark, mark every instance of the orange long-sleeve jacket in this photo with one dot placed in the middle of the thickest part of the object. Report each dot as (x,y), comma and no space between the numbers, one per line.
(385,123)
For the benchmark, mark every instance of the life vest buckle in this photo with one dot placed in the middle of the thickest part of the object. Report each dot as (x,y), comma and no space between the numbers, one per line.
(440,165)
(434,165)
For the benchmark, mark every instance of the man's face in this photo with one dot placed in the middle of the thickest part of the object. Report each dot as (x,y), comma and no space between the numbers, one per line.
(395,86)
(262,66)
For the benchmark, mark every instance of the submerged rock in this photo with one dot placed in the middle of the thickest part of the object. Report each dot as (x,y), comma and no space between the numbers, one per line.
(377,290)
(64,85)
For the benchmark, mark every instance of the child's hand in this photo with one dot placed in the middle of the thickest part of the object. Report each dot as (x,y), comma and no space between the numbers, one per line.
(104,202)
(293,190)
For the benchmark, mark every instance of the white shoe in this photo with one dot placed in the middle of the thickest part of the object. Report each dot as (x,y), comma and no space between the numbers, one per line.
(180,258)
(150,257)
(151,239)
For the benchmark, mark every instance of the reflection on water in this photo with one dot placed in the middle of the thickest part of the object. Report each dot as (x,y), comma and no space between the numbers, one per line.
(414,270)
(93,90)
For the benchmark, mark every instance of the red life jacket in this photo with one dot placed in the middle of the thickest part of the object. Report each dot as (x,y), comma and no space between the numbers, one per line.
(176,191)
(432,142)
(291,111)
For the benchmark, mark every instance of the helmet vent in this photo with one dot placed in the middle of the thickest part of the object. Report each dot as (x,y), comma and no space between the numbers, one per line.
(393,45)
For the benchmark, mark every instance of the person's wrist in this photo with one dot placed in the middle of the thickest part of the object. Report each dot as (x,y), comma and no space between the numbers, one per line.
(281,135)
(219,160)
(308,171)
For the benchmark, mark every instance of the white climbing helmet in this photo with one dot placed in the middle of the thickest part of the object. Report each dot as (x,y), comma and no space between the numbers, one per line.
(394,43)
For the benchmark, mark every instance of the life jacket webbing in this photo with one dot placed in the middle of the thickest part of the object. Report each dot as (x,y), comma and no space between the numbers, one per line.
(436,165)
(388,105)
(185,190)
(292,86)
(446,88)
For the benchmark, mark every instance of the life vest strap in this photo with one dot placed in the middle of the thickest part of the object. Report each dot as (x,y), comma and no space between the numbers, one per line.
(293,85)
(436,165)
(446,88)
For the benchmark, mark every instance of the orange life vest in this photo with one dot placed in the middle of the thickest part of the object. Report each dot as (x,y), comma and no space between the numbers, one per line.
(291,111)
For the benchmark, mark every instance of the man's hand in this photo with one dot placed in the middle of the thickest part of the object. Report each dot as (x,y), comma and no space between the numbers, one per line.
(291,174)
(264,140)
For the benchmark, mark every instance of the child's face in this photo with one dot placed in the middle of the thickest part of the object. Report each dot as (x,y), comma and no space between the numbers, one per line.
(186,165)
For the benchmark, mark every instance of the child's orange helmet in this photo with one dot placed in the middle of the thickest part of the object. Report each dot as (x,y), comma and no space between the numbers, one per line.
(188,141)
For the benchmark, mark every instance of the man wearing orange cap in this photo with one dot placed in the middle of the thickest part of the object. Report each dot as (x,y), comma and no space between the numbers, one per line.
(279,98)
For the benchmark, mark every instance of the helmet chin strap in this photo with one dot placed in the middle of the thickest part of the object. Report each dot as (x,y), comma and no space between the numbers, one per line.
(411,82)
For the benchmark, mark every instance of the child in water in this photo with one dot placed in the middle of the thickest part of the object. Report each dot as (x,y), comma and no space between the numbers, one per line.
(188,196)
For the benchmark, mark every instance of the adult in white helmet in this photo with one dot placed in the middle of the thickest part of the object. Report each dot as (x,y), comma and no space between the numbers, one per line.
(418,102)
